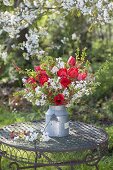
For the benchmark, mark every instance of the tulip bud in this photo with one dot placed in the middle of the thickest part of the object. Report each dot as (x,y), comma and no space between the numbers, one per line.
(71,61)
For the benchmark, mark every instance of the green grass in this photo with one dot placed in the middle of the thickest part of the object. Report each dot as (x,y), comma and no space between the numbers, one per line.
(8,117)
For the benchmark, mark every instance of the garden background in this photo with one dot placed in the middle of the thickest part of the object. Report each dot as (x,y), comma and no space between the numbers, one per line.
(31,30)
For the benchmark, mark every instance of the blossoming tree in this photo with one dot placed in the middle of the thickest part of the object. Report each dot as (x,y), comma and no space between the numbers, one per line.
(24,32)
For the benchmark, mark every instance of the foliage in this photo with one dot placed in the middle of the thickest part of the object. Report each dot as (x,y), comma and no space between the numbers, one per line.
(105,77)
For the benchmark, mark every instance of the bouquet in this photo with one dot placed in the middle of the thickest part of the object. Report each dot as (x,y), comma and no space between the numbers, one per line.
(58,82)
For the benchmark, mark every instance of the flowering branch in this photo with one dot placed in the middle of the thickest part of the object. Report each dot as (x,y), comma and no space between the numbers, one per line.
(26,14)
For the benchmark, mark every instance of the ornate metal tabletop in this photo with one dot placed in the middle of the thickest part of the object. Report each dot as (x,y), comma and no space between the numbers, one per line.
(85,144)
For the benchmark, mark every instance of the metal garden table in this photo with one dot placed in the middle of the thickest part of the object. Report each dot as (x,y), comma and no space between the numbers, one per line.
(85,144)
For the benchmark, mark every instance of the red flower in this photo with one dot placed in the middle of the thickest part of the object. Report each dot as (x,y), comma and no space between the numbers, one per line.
(82,76)
(73,72)
(31,80)
(71,61)
(59,99)
(65,82)
(43,78)
(37,68)
(62,72)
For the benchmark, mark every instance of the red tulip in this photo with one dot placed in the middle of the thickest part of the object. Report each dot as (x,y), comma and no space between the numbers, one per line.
(37,68)
(65,82)
(43,78)
(31,80)
(59,99)
(62,72)
(73,72)
(82,76)
(71,61)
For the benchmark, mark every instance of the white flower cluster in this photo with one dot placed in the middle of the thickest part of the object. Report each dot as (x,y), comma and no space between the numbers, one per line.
(27,12)
(43,97)
(55,84)
(31,136)
(81,88)
(98,10)
(60,63)
(15,21)
(36,3)
(54,69)
(32,43)
(66,94)
(68,4)
(45,137)
(11,23)
(28,95)
(7,3)
(28,15)
(64,40)
(3,54)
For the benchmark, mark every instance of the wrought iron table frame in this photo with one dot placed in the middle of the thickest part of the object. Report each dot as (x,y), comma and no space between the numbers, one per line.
(89,140)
